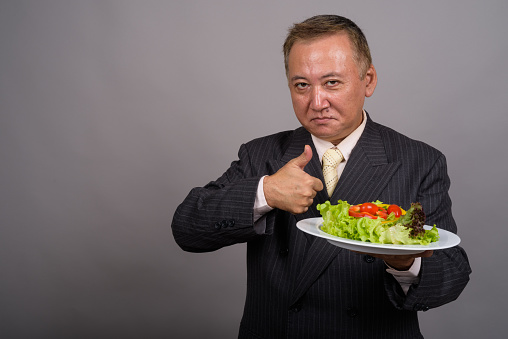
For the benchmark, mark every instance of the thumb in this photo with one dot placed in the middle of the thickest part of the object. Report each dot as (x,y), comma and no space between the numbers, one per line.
(303,159)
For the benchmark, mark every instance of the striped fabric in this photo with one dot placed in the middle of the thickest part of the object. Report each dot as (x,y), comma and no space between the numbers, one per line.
(299,286)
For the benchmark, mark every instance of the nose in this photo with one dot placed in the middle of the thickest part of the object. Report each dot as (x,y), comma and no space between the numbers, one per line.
(319,100)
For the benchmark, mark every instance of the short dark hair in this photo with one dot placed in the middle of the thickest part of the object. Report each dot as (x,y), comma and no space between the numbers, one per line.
(323,25)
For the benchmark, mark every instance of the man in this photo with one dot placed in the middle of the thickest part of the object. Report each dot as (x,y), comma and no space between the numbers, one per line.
(299,286)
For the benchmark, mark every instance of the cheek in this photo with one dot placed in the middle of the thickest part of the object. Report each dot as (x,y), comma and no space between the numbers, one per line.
(299,104)
(345,101)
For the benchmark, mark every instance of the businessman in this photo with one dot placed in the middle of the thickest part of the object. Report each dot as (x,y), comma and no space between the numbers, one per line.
(300,286)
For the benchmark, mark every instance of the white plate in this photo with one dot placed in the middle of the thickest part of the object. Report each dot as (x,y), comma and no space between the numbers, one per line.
(313,226)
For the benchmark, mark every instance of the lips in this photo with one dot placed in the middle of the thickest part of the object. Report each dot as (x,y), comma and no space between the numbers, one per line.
(322,120)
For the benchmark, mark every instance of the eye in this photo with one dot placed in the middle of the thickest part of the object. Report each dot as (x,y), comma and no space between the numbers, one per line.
(332,83)
(301,85)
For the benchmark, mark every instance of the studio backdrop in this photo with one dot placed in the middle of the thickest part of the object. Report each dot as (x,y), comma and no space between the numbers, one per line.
(112,111)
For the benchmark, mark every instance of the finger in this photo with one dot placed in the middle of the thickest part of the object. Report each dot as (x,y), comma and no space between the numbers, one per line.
(426,254)
(303,159)
(317,185)
(299,210)
(309,203)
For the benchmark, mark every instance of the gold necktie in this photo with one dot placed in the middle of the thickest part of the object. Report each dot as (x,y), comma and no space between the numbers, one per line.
(331,159)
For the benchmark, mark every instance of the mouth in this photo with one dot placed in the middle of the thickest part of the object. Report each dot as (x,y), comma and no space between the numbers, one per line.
(322,120)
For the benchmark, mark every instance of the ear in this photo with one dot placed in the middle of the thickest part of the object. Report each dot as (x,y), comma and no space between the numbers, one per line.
(370,81)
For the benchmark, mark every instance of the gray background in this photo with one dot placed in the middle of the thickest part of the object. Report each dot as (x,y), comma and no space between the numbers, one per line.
(111,111)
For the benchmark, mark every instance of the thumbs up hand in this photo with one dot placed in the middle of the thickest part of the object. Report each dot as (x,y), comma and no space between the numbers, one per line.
(291,189)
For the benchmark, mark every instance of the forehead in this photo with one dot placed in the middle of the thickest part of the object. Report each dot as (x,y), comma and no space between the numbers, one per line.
(321,54)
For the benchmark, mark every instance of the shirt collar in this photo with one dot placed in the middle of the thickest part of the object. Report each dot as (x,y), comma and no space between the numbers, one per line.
(345,146)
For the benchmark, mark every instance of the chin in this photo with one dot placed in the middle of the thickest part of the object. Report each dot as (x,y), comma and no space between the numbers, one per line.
(323,133)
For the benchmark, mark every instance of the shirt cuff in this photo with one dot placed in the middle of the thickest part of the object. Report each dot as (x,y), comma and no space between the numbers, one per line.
(260,207)
(409,277)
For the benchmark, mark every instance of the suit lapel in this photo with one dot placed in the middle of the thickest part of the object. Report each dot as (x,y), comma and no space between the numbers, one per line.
(368,170)
(366,174)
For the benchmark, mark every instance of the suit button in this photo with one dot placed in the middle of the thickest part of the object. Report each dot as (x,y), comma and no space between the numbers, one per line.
(352,312)
(218,225)
(284,252)
(296,307)
(369,259)
(230,223)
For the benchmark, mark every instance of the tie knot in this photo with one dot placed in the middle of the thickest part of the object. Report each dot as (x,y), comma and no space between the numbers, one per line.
(332,157)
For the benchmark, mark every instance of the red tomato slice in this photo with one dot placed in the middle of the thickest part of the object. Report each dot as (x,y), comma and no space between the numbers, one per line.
(395,209)
(382,214)
(369,207)
(361,215)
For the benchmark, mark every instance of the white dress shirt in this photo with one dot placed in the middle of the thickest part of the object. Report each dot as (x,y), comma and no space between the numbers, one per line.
(405,278)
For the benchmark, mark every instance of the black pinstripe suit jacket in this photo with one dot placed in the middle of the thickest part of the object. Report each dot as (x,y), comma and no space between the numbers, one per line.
(299,286)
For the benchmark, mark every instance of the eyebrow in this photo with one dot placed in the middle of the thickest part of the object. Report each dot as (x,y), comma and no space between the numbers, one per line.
(328,75)
(298,77)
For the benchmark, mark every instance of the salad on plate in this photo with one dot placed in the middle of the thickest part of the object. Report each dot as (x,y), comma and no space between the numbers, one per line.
(377,222)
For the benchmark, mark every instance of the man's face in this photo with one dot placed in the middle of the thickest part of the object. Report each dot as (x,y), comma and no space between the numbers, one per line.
(325,85)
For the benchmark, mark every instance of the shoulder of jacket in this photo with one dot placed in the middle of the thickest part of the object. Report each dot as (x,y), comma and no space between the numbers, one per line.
(400,143)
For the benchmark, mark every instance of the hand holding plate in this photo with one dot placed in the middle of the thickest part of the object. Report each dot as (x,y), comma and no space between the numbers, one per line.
(401,262)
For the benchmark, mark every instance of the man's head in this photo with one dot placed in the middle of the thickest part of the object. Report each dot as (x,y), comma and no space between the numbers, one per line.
(323,25)
(328,81)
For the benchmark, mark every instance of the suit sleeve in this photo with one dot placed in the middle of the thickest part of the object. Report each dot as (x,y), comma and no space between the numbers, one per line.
(220,213)
(444,275)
